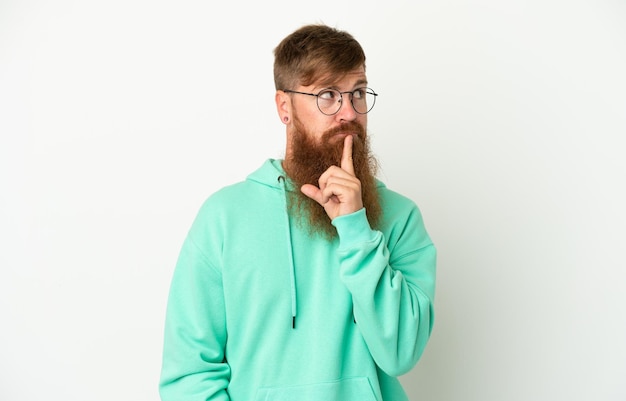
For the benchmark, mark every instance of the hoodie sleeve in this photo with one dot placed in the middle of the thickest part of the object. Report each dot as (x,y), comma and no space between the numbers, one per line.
(194,365)
(392,282)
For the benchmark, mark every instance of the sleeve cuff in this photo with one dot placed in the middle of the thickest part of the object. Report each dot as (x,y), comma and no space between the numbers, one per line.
(353,228)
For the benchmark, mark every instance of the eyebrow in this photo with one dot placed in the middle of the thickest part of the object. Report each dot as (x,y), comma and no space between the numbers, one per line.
(362,81)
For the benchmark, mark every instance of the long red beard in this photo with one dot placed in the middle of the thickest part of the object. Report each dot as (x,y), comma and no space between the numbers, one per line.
(309,159)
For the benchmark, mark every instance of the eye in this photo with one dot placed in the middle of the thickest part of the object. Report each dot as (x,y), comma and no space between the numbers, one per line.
(328,94)
(359,93)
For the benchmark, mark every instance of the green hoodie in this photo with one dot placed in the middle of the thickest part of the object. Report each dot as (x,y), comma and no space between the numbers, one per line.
(261,310)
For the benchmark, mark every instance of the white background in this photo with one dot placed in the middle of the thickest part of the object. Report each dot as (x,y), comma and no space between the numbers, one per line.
(503,120)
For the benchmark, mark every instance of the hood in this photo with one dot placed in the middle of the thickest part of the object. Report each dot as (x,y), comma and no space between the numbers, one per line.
(268,174)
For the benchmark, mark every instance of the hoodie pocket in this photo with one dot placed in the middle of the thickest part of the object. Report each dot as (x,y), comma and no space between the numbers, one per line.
(351,389)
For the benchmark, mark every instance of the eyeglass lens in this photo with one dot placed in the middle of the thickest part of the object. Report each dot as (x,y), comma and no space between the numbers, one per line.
(329,100)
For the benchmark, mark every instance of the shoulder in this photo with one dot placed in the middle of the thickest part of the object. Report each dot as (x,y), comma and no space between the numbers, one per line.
(402,217)
(395,203)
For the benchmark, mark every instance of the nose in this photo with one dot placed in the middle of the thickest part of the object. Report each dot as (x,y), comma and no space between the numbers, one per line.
(346,111)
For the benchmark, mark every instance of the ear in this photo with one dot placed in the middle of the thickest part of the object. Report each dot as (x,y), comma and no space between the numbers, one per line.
(283,106)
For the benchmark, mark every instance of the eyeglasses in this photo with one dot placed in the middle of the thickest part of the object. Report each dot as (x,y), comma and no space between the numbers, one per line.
(329,101)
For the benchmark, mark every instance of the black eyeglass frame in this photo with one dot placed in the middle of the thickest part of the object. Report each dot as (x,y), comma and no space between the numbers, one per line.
(316,95)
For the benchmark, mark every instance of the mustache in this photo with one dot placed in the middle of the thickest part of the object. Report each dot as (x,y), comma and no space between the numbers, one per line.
(351,127)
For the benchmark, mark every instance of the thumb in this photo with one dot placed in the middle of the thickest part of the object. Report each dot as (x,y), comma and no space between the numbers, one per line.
(313,192)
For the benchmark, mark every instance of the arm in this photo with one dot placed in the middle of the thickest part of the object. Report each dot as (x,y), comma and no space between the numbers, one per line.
(391,280)
(194,365)
(392,292)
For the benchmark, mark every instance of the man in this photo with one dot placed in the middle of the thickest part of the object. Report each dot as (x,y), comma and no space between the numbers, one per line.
(310,280)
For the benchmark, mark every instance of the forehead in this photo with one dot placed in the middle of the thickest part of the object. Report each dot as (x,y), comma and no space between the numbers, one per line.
(350,78)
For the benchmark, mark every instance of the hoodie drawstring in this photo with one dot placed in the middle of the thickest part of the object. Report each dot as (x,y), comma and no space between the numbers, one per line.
(292,270)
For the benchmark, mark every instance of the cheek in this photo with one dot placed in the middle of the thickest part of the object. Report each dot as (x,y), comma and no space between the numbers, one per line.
(317,128)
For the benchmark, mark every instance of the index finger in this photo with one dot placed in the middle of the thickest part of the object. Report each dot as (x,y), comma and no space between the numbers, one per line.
(346,156)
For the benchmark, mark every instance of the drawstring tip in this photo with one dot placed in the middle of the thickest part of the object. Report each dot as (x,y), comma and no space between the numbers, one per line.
(293,322)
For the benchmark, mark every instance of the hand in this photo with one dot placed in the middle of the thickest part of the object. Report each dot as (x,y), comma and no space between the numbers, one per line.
(339,189)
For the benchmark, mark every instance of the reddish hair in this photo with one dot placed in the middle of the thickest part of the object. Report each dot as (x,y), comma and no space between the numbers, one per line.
(313,53)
